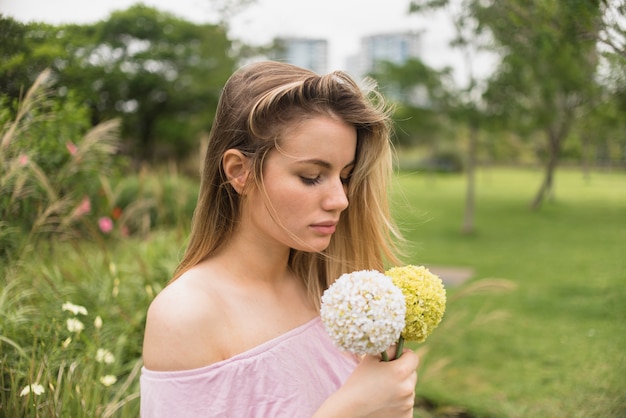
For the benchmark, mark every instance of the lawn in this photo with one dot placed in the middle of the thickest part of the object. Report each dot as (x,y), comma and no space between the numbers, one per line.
(538,331)
(553,343)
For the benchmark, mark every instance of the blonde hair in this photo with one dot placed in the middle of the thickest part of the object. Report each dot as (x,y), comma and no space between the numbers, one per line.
(258,103)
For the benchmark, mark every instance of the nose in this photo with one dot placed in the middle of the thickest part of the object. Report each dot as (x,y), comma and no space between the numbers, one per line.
(336,198)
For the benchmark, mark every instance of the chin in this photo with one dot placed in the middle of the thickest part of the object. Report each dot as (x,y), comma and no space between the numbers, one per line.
(313,247)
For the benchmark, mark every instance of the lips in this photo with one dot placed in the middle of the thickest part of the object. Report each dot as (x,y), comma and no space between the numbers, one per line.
(325,228)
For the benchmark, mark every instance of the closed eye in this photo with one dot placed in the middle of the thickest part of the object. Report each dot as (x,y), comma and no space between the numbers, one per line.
(310,181)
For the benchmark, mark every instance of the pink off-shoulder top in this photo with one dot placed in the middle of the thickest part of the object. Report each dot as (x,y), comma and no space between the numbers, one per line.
(289,376)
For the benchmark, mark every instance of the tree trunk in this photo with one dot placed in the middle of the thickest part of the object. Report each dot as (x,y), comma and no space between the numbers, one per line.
(546,189)
(145,134)
(468,217)
(585,163)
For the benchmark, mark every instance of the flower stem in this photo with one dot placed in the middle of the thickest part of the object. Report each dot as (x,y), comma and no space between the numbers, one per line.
(399,348)
(384,356)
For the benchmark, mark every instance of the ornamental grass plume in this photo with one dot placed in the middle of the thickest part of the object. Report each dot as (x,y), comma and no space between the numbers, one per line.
(425,299)
(363,312)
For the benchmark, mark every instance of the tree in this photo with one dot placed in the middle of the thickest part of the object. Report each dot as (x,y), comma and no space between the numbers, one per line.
(612,27)
(547,71)
(419,93)
(161,73)
(464,105)
(22,56)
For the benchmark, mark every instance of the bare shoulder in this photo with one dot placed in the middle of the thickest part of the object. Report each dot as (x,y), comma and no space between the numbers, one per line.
(179,334)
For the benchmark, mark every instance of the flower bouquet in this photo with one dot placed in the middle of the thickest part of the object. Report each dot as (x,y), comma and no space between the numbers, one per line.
(366,312)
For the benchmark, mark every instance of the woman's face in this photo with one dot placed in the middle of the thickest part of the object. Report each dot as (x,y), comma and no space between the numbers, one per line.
(306,182)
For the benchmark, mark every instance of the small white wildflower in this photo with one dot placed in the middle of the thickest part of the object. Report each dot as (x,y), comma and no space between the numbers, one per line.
(75,309)
(97,322)
(104,356)
(35,388)
(363,312)
(74,325)
(108,380)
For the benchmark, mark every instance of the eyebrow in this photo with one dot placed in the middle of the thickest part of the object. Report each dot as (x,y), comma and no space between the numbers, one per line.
(322,163)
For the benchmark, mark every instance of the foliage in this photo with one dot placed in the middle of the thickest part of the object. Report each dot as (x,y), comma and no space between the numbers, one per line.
(420,94)
(49,164)
(21,61)
(161,75)
(543,342)
(89,373)
(552,59)
(549,60)
(70,330)
(612,31)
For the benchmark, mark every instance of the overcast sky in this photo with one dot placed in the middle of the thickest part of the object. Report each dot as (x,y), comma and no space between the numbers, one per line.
(341,22)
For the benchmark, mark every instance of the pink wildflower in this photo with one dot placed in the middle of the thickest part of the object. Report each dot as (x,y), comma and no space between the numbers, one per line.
(71,147)
(83,207)
(23,159)
(105,224)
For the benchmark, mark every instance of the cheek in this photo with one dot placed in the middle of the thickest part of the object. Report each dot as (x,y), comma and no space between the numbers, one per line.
(293,201)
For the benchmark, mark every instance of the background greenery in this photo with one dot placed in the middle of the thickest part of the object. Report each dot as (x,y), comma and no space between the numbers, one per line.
(538,330)
(554,342)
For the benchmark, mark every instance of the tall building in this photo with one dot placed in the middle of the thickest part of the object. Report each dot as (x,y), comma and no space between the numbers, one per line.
(396,48)
(393,47)
(303,52)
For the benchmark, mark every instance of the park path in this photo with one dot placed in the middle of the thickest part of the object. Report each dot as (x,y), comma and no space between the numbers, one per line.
(452,276)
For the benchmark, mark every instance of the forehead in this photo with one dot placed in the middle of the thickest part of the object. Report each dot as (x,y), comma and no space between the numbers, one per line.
(317,137)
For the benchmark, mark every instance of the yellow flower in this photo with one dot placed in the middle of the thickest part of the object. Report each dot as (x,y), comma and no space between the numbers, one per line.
(425,299)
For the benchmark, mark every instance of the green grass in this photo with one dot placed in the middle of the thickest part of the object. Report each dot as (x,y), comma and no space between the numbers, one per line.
(554,346)
(113,281)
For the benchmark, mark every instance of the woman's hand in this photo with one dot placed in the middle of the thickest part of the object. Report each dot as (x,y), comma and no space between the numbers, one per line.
(376,389)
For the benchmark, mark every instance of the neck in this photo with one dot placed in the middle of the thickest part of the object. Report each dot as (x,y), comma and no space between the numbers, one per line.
(251,259)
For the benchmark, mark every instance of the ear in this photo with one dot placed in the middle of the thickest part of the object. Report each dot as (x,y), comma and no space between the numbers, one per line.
(237,168)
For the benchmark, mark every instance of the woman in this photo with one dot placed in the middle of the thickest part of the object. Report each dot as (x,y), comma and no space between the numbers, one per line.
(293,195)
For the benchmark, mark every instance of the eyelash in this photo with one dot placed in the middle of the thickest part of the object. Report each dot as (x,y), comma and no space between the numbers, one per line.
(311,182)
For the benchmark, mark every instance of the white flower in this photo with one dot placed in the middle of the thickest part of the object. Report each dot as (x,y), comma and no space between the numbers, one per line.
(108,380)
(363,312)
(75,309)
(74,325)
(97,322)
(104,356)
(35,388)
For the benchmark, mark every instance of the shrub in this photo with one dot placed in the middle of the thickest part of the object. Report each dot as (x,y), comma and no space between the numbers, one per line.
(49,167)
